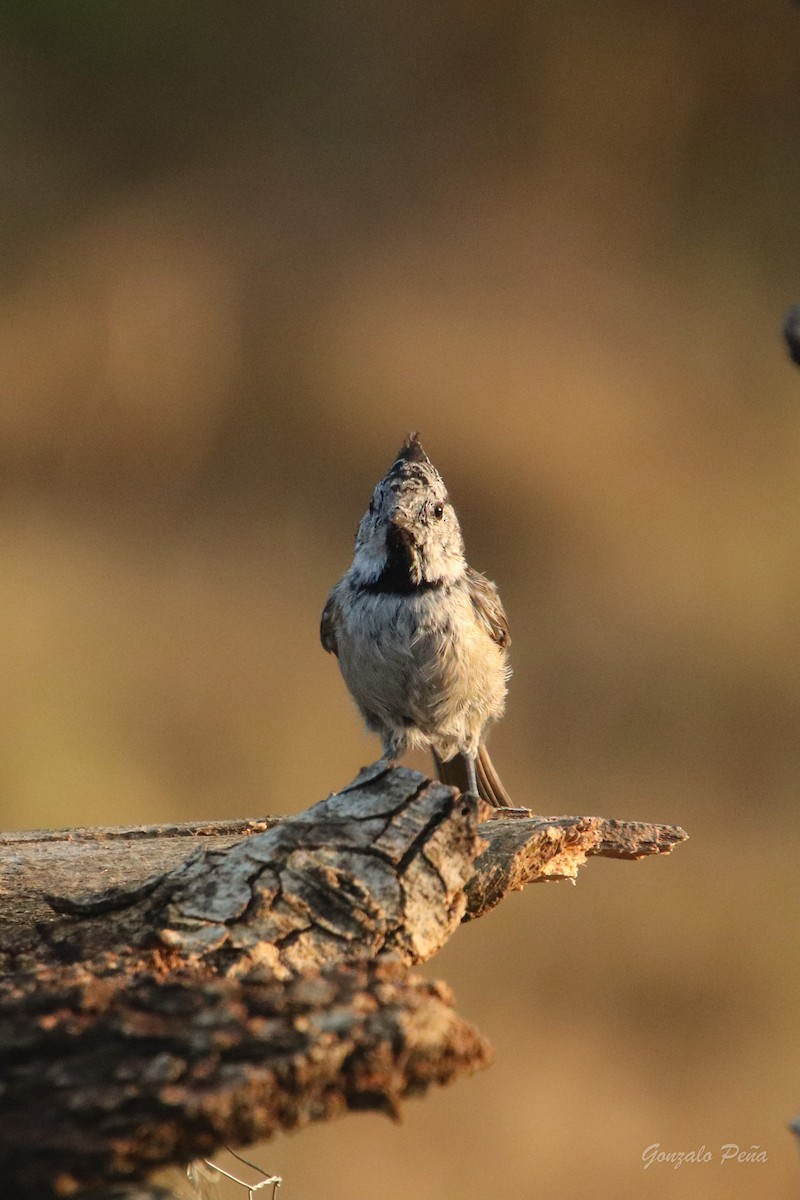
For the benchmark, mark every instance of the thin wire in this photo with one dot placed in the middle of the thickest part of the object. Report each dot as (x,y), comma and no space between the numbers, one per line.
(204,1187)
(252,1188)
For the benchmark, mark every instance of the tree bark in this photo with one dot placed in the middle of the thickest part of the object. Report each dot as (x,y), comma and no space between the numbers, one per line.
(173,989)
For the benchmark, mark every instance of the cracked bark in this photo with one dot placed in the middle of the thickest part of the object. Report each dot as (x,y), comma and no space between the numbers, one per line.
(172,989)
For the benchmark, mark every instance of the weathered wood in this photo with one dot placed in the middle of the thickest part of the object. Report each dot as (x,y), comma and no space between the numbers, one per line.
(169,990)
(520,849)
(76,861)
(543,849)
(376,869)
(112,1079)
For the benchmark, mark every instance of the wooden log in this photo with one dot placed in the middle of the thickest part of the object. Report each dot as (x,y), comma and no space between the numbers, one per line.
(106,1079)
(96,871)
(169,990)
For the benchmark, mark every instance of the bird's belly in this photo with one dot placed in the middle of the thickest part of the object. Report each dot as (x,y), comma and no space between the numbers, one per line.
(423,664)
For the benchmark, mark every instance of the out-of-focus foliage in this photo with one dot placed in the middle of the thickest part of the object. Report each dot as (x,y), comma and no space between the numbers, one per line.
(244,250)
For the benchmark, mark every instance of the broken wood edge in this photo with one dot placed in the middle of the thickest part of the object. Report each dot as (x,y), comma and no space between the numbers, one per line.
(546,849)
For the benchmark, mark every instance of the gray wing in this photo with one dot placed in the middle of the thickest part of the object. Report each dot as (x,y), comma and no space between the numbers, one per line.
(488,607)
(327,628)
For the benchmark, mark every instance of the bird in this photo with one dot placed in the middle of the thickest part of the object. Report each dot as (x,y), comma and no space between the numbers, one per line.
(421,638)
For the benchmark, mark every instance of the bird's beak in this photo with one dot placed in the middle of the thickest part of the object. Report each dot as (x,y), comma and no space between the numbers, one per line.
(401,528)
(401,520)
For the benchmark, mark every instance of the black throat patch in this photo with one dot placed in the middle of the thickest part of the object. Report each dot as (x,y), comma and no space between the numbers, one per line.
(396,579)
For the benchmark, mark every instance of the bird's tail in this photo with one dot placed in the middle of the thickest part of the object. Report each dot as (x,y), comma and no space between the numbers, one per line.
(490,787)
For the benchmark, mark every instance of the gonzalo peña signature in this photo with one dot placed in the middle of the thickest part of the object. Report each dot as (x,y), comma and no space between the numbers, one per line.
(730,1152)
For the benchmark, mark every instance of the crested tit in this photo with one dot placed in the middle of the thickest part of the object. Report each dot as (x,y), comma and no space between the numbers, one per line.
(421,638)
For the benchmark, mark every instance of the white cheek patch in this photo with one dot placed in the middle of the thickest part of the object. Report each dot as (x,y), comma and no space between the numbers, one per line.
(370,556)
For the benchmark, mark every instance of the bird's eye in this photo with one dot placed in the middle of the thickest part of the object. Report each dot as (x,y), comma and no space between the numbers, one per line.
(438,511)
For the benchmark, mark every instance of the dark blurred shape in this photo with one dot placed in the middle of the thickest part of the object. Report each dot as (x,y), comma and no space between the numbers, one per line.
(791,331)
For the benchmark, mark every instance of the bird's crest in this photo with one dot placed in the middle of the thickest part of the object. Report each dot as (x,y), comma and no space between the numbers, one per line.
(411,450)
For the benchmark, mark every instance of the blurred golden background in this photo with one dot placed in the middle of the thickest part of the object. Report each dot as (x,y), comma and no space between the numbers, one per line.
(244,251)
